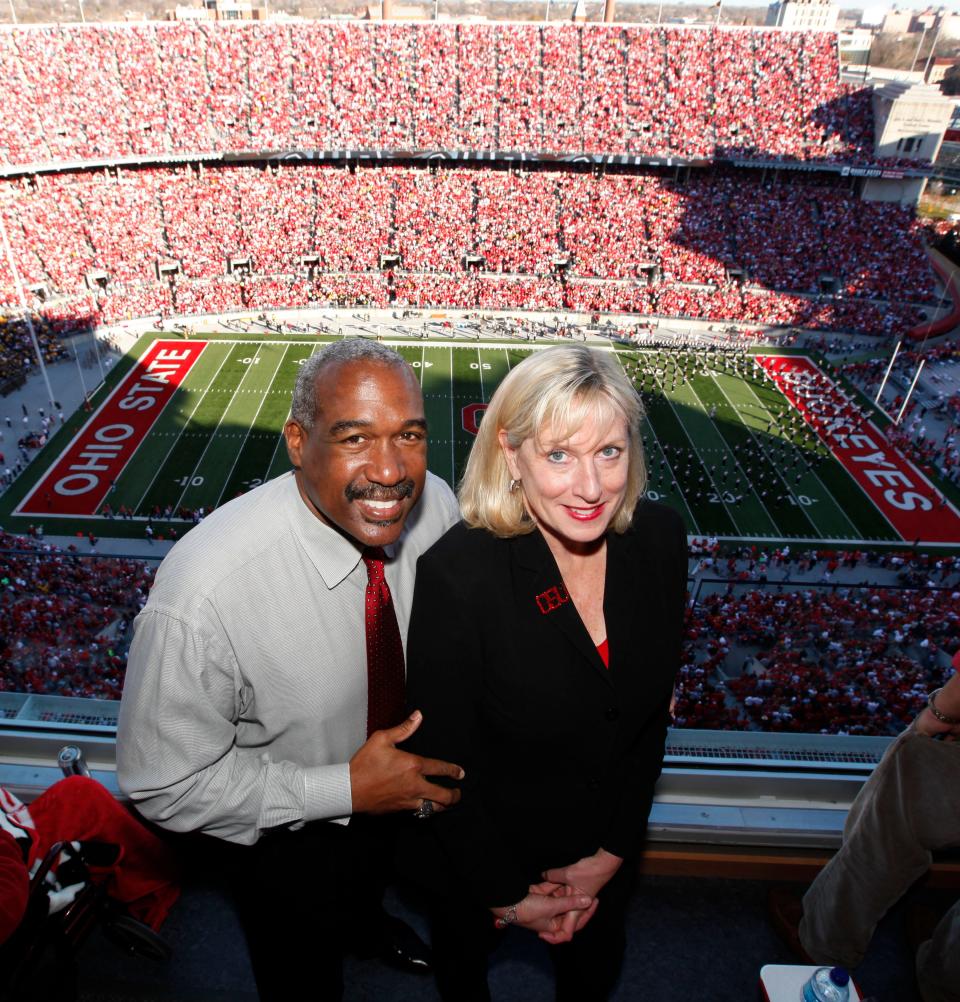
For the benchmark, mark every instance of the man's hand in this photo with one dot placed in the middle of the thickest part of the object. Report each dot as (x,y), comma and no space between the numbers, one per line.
(928,724)
(383,778)
(948,703)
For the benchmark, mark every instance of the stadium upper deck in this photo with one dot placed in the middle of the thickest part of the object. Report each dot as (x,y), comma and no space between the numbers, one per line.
(100,93)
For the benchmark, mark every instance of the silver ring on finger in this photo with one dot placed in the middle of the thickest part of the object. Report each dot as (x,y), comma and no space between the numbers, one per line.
(425,810)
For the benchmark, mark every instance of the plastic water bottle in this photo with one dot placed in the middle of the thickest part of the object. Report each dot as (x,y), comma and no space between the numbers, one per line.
(827,984)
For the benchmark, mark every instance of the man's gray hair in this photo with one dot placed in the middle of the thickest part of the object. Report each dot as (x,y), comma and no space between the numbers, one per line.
(303,406)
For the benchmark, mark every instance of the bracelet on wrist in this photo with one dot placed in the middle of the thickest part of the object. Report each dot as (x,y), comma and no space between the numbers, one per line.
(508,918)
(942,717)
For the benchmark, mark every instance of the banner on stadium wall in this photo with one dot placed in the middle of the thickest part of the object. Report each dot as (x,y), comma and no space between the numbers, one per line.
(725,158)
(78,482)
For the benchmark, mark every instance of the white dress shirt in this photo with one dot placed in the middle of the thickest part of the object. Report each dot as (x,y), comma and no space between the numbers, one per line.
(246,687)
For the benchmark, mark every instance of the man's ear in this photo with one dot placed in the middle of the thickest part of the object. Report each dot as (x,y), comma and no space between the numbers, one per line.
(296,438)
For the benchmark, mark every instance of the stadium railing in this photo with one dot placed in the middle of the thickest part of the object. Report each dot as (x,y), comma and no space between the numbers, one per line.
(718,787)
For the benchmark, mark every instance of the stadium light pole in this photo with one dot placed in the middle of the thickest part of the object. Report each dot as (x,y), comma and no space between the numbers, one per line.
(13,12)
(26,310)
(76,358)
(916,55)
(886,375)
(913,385)
(83,19)
(933,48)
(546,13)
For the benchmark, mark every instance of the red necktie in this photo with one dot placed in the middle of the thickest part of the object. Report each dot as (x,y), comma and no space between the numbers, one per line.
(385,672)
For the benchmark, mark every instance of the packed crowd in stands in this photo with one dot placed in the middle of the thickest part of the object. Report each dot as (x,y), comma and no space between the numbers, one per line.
(812,657)
(932,453)
(762,651)
(17,354)
(65,619)
(712,247)
(188,87)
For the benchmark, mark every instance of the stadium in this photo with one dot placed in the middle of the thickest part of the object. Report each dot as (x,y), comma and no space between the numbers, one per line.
(717,207)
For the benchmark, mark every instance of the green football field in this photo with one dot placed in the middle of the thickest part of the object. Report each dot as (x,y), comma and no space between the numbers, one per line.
(723,445)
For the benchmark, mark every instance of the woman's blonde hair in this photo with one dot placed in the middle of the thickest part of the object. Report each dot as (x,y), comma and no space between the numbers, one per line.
(556,388)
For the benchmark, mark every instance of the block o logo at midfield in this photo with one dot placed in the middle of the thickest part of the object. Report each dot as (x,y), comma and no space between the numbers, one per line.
(472,415)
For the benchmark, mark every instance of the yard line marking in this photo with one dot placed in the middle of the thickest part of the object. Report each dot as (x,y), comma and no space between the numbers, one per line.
(281,438)
(483,396)
(453,430)
(263,397)
(666,459)
(213,434)
(853,529)
(689,437)
(182,432)
(748,481)
(774,466)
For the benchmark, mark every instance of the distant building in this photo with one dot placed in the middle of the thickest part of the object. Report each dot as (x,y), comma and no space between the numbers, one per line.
(803,15)
(951,26)
(184,13)
(897,22)
(854,46)
(924,21)
(939,67)
(911,120)
(218,10)
(390,11)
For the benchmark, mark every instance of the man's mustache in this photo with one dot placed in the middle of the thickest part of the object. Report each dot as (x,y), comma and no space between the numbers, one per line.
(376,492)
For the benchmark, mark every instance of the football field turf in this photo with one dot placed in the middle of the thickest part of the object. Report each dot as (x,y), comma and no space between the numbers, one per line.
(724,444)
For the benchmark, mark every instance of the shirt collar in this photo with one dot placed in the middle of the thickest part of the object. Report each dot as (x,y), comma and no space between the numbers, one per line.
(334,555)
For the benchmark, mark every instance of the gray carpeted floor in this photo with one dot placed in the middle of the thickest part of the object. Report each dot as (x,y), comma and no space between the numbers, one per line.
(687,938)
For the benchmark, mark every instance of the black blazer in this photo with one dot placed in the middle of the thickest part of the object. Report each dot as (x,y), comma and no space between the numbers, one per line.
(561,754)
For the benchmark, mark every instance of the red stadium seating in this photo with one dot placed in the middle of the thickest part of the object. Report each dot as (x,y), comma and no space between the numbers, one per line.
(296,235)
(187,88)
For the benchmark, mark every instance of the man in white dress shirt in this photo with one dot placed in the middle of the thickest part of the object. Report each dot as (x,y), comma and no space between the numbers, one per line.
(244,713)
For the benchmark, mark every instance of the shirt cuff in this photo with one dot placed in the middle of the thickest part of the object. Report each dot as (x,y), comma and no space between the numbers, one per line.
(326,792)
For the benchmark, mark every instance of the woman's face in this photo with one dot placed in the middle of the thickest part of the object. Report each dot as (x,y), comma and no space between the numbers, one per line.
(573,488)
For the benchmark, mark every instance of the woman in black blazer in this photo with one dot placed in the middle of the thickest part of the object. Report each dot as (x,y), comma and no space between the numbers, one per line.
(544,643)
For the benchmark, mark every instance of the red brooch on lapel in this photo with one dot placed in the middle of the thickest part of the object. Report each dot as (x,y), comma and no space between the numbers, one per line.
(552,599)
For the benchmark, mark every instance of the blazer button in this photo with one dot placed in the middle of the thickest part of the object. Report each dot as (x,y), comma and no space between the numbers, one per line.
(612,713)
